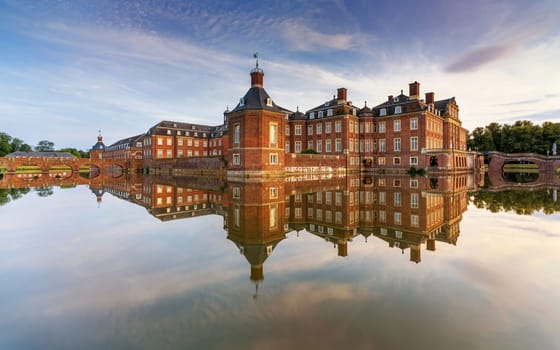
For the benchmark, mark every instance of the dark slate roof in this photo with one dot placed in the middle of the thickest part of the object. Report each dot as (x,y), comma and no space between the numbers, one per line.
(128,141)
(255,253)
(365,112)
(297,116)
(442,104)
(256,98)
(99,146)
(40,154)
(162,127)
(400,99)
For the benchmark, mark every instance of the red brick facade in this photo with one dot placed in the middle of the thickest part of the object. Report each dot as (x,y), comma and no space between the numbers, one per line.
(259,136)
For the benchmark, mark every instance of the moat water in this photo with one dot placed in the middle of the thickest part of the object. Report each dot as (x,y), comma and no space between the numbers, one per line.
(166,263)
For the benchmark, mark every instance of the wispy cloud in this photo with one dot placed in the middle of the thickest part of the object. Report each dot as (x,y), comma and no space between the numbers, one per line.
(477,58)
(300,37)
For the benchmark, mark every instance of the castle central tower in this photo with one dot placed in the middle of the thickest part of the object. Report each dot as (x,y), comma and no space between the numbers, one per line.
(256,128)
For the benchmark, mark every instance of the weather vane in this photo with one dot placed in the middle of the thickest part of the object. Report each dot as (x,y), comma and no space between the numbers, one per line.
(256,57)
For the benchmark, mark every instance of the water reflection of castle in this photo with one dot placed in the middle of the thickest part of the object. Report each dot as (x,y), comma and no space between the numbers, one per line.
(405,212)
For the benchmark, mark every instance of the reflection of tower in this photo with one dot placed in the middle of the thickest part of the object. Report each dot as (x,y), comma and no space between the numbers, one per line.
(98,192)
(256,221)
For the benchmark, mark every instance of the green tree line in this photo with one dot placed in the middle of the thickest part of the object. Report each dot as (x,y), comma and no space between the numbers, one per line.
(518,201)
(521,137)
(9,144)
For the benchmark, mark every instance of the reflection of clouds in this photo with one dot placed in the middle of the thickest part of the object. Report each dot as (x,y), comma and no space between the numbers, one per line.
(128,279)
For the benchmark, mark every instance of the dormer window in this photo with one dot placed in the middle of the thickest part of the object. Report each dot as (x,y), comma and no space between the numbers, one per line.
(192,127)
(398,109)
(396,99)
(320,114)
(168,132)
(311,115)
(382,112)
(329,112)
(269,102)
(241,102)
(353,112)
(178,132)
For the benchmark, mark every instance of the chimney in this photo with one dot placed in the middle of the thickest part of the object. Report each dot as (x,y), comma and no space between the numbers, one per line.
(390,98)
(414,89)
(257,76)
(341,94)
(429,97)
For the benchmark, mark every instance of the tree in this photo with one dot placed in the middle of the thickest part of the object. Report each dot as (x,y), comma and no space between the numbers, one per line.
(5,147)
(19,145)
(44,146)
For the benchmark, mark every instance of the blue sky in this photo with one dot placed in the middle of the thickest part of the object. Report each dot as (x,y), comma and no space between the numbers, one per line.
(70,68)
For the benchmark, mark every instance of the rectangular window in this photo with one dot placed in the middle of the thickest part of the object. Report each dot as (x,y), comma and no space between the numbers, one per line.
(397,199)
(179,153)
(237,135)
(320,114)
(309,144)
(274,158)
(287,147)
(397,125)
(414,200)
(273,135)
(413,183)
(196,142)
(413,220)
(367,146)
(297,213)
(273,218)
(381,127)
(413,160)
(168,153)
(382,145)
(338,145)
(319,146)
(382,112)
(298,147)
(414,124)
(319,214)
(179,141)
(351,145)
(297,130)
(381,161)
(397,218)
(160,141)
(189,142)
(337,126)
(338,217)
(311,115)
(236,192)
(398,109)
(319,129)
(328,146)
(273,192)
(414,143)
(287,130)
(328,128)
(319,197)
(338,198)
(159,153)
(236,159)
(328,197)
(329,112)
(382,216)
(310,130)
(351,127)
(397,144)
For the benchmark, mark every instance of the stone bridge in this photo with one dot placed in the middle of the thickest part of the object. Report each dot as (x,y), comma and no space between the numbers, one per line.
(547,169)
(11,164)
